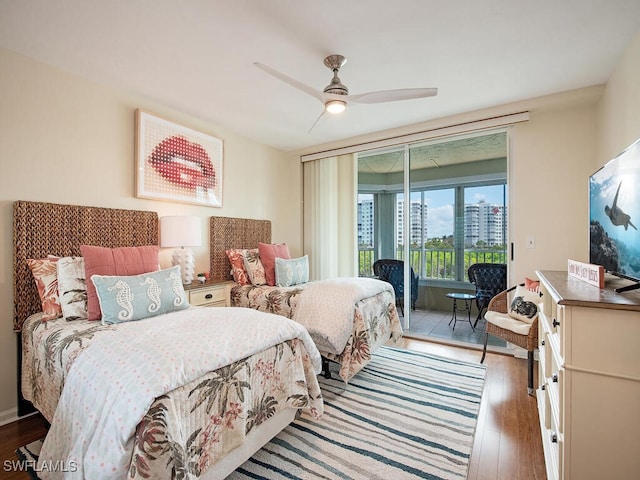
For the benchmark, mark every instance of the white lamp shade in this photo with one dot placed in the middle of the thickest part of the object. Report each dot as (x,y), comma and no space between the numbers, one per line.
(180,231)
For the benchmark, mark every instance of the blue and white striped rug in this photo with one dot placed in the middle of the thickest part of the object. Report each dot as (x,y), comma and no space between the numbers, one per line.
(405,415)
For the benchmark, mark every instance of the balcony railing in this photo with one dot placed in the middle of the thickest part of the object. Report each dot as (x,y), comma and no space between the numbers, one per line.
(431,263)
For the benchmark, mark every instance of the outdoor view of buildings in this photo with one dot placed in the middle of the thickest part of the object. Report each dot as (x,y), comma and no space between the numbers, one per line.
(484,224)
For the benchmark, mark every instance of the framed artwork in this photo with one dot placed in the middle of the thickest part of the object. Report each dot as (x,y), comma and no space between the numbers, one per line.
(176,163)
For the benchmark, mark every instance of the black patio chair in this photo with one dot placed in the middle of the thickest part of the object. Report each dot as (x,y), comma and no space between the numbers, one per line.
(392,271)
(489,279)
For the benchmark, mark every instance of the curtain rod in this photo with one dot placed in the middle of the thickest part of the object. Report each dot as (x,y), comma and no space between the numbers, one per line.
(464,127)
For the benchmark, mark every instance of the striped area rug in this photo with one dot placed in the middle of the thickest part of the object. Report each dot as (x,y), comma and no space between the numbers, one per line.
(405,415)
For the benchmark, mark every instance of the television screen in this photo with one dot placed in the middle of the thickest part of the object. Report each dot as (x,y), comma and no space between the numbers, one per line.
(614,215)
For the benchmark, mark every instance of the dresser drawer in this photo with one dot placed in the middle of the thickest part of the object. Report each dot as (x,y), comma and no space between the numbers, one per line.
(550,436)
(206,296)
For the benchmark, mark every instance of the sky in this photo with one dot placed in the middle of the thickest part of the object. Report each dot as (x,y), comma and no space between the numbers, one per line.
(440,216)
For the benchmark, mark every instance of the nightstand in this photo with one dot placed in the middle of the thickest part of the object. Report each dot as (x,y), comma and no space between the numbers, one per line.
(215,293)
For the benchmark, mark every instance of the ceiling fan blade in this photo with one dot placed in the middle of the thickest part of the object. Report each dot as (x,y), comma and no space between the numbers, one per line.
(393,95)
(317,120)
(291,81)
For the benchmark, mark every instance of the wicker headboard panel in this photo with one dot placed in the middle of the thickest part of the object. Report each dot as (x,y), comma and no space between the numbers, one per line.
(41,229)
(226,233)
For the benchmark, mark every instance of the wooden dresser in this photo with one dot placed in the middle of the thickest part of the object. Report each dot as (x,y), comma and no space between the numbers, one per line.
(589,379)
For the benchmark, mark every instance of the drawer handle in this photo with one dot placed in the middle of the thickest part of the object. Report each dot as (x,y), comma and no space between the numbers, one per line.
(542,343)
(554,378)
(554,437)
(543,387)
(555,323)
(208,296)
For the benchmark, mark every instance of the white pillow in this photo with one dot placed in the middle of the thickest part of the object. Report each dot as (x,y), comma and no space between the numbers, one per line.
(524,306)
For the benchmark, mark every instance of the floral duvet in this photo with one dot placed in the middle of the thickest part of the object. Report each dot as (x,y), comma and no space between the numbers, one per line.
(130,400)
(347,318)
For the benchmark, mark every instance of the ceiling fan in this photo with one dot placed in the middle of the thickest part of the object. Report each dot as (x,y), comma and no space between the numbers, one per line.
(335,96)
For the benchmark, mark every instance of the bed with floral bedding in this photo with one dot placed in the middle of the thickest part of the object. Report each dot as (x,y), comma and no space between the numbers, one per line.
(146,403)
(347,318)
(155,388)
(349,337)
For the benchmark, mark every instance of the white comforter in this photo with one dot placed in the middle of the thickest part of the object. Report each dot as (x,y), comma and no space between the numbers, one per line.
(111,385)
(327,307)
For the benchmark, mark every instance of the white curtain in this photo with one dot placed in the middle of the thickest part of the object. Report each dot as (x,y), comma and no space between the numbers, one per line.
(330,216)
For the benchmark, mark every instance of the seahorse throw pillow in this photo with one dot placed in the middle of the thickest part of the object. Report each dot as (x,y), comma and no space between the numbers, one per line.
(115,261)
(128,298)
(524,306)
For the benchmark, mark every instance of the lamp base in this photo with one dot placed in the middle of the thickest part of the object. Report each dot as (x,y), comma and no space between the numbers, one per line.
(184,258)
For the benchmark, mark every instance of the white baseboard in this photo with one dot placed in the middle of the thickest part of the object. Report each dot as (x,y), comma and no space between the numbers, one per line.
(521,352)
(8,416)
(11,415)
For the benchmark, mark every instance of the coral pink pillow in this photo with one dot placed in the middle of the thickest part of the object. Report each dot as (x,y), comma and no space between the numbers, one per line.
(268,254)
(115,261)
(532,285)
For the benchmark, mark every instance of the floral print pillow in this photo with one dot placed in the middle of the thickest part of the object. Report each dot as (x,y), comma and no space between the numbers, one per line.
(236,259)
(254,267)
(72,288)
(45,275)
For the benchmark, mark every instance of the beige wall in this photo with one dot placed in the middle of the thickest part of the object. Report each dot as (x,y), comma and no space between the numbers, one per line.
(619,109)
(66,140)
(552,157)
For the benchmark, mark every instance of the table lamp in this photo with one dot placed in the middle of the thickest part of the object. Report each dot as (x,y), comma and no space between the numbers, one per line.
(180,232)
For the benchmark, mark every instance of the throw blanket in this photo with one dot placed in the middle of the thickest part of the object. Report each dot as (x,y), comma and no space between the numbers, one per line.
(326,309)
(112,384)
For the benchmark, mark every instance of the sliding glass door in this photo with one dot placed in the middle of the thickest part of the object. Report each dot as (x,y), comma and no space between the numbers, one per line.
(438,206)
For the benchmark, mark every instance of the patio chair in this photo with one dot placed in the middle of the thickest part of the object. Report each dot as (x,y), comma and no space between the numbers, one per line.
(506,325)
(489,279)
(392,271)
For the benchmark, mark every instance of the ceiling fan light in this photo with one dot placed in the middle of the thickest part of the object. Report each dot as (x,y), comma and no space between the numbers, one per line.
(335,106)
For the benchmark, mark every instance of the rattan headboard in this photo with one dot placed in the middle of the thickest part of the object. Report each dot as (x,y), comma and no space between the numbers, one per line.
(226,233)
(41,229)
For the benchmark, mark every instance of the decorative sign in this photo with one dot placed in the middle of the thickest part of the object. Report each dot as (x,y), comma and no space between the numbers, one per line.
(587,272)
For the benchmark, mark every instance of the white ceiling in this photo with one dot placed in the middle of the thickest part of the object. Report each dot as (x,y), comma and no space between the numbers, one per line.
(197,56)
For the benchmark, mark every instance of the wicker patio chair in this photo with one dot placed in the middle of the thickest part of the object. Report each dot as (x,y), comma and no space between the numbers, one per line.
(497,309)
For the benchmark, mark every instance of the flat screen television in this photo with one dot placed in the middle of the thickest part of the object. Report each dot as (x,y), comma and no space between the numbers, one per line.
(614,216)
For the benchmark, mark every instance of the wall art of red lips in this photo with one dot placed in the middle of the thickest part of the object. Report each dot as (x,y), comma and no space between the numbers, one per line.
(183,163)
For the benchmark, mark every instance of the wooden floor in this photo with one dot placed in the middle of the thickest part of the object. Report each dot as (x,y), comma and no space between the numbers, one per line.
(507,442)
(15,435)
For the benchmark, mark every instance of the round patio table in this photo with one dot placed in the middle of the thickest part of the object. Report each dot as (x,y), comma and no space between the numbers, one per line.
(467,298)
